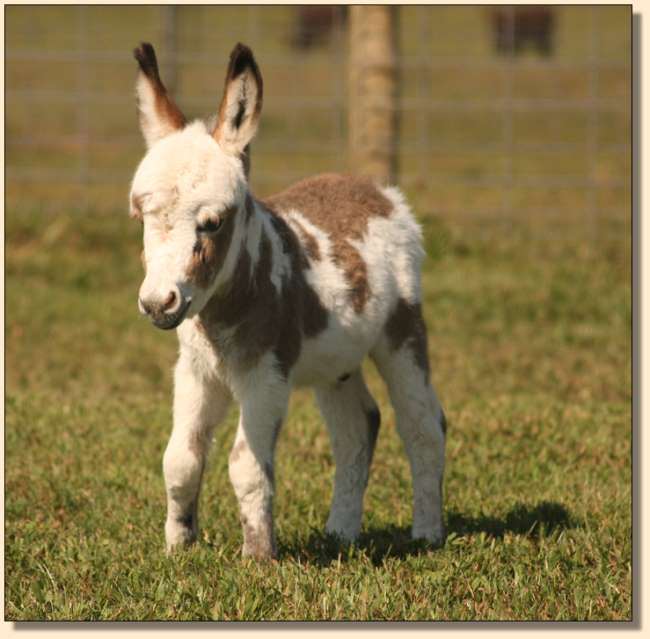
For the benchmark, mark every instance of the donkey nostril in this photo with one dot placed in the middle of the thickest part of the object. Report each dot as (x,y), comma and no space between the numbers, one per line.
(169,301)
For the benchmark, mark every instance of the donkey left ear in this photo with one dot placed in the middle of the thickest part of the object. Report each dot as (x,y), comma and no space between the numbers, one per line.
(239,113)
(159,116)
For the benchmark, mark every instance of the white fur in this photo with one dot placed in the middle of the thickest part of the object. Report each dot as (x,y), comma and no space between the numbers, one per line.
(345,407)
(153,127)
(187,171)
(186,177)
(241,90)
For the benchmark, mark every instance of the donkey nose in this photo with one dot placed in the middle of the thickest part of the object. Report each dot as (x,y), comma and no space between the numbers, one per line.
(170,304)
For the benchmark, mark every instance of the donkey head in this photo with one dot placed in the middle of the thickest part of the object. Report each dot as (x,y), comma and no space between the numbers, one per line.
(190,187)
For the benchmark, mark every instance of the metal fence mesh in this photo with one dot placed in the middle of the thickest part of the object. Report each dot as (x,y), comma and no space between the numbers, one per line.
(482,132)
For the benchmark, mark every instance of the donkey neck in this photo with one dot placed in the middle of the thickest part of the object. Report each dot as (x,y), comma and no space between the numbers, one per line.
(259,263)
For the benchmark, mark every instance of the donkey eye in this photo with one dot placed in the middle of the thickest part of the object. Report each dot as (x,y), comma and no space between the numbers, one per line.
(209,226)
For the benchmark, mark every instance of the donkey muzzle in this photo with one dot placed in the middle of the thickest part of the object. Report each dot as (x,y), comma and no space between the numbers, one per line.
(167,314)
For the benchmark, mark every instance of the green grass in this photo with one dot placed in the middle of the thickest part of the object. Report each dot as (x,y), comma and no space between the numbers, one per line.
(530,345)
(529,319)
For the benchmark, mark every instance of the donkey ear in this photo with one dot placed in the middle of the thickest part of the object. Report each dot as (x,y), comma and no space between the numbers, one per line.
(241,105)
(159,116)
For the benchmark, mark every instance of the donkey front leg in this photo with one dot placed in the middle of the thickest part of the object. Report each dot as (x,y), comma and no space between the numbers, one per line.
(199,405)
(251,467)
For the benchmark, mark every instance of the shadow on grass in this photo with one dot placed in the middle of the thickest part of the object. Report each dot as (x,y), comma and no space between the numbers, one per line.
(533,522)
(528,521)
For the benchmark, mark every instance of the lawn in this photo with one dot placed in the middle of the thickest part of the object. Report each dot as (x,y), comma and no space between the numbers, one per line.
(530,344)
(529,320)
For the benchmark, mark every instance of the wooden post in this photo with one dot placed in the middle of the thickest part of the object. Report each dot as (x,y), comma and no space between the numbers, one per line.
(373,91)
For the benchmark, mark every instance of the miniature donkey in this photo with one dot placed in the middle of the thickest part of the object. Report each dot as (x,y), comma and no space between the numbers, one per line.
(293,290)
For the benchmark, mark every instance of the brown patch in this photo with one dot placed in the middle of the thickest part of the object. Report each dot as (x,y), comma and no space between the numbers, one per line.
(250,296)
(166,109)
(341,206)
(143,260)
(406,326)
(190,518)
(197,445)
(308,241)
(210,251)
(347,258)
(259,543)
(136,207)
(249,305)
(304,314)
(187,520)
(263,318)
(443,422)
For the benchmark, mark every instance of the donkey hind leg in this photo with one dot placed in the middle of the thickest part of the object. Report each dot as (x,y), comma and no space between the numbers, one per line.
(422,427)
(199,405)
(352,419)
(250,466)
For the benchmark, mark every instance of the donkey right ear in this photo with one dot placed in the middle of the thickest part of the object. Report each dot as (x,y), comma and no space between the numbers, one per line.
(239,113)
(159,116)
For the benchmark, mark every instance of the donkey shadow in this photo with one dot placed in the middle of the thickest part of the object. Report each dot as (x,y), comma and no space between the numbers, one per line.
(379,544)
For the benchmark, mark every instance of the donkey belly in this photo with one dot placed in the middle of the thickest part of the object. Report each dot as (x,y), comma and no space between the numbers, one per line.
(333,354)
(350,334)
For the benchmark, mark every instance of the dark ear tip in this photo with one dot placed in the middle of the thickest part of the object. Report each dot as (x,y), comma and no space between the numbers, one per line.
(241,57)
(146,56)
(239,49)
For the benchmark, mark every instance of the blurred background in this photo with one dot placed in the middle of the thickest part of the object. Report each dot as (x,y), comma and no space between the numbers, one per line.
(499,111)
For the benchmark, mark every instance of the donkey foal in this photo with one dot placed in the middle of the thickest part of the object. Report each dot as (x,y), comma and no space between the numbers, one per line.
(265,295)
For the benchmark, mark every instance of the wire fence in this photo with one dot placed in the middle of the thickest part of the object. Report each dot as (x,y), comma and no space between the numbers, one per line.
(487,127)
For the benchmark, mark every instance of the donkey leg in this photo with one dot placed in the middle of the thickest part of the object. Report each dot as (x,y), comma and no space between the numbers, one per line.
(421,425)
(199,405)
(352,419)
(250,466)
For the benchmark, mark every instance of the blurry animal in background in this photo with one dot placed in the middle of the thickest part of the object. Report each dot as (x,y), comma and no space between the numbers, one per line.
(514,27)
(314,24)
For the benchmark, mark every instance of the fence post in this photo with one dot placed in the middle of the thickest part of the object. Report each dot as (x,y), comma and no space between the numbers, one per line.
(373,91)
(169,35)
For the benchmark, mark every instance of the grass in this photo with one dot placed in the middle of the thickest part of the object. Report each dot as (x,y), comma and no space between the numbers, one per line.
(531,351)
(529,321)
